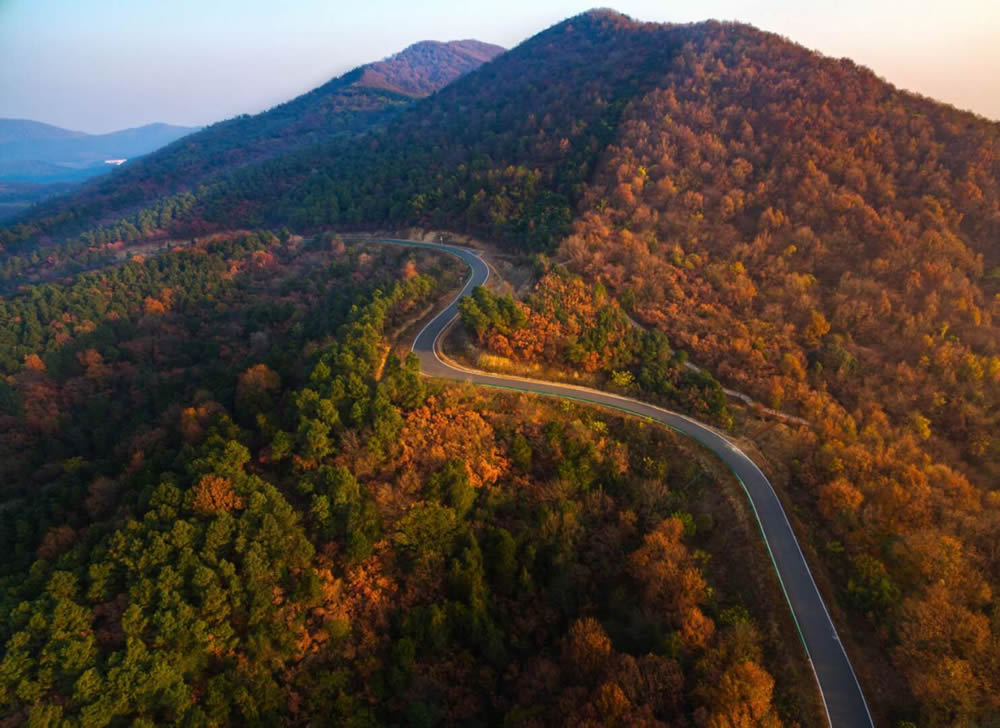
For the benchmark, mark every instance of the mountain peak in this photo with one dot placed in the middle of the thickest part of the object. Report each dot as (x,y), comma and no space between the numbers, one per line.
(605,17)
(468,46)
(605,13)
(424,67)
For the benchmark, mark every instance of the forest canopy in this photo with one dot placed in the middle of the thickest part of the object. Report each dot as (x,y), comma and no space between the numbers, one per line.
(807,233)
(268,537)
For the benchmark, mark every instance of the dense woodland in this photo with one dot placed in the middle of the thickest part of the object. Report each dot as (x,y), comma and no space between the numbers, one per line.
(830,246)
(809,234)
(84,361)
(248,541)
(580,329)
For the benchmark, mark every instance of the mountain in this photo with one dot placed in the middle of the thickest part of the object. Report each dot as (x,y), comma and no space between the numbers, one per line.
(21,130)
(34,152)
(352,103)
(809,233)
(346,105)
(815,236)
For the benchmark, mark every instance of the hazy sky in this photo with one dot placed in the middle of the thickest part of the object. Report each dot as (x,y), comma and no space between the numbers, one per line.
(100,65)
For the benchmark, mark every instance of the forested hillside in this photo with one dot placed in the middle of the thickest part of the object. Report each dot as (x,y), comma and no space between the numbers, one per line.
(582,330)
(805,231)
(352,103)
(814,236)
(505,151)
(830,245)
(238,506)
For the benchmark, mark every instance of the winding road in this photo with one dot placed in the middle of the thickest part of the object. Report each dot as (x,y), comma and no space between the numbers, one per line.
(842,696)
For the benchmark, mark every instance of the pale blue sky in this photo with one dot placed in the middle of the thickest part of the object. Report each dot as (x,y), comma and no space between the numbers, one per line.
(99,65)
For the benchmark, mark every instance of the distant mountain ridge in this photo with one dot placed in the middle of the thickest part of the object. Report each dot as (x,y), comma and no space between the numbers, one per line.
(352,103)
(14,130)
(32,151)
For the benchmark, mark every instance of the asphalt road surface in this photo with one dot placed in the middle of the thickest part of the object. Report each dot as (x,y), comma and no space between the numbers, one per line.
(842,697)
